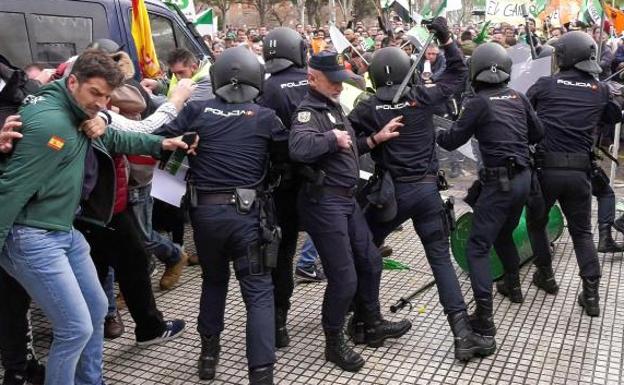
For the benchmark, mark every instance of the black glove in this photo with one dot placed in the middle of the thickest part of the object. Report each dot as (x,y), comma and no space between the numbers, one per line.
(439,27)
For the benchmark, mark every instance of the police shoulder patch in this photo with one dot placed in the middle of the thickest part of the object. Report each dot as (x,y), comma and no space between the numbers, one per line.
(304,116)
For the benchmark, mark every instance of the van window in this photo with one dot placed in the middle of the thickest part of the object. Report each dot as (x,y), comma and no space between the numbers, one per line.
(59,37)
(167,37)
(14,37)
(163,36)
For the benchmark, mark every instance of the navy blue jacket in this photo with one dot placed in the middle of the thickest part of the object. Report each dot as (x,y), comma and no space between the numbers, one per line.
(284,91)
(571,104)
(235,142)
(313,142)
(412,153)
(503,122)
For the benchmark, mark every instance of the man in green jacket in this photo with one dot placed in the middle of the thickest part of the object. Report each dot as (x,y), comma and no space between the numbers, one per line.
(53,168)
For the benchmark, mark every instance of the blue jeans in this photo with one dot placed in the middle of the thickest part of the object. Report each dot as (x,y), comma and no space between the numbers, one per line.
(109,289)
(57,272)
(141,204)
(308,254)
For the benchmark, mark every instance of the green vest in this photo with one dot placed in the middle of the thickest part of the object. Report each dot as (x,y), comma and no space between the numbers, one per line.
(201,73)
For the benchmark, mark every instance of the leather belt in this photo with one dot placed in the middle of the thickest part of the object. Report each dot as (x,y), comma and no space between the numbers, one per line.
(216,199)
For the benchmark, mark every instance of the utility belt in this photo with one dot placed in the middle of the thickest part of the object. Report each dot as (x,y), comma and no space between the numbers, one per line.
(563,160)
(439,179)
(502,175)
(262,254)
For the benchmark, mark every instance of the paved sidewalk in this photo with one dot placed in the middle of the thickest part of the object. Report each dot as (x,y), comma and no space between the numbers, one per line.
(546,340)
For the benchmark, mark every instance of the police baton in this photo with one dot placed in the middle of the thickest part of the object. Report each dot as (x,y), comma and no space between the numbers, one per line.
(405,301)
(411,71)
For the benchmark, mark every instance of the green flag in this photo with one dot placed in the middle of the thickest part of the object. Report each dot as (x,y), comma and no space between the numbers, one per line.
(205,23)
(482,36)
(591,12)
(426,11)
(441,11)
(538,6)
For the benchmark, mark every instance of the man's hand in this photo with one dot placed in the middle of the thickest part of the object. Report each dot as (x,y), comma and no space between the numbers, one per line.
(388,132)
(182,92)
(93,128)
(8,134)
(173,144)
(149,84)
(439,27)
(342,138)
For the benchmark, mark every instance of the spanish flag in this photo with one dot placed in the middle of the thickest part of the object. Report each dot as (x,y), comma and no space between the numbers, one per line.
(142,35)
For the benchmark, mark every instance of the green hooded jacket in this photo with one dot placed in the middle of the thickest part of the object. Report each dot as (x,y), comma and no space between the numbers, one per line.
(41,182)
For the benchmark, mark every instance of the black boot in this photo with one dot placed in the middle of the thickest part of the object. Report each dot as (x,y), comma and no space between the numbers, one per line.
(510,287)
(13,377)
(482,320)
(261,376)
(35,372)
(337,351)
(209,357)
(467,343)
(619,224)
(281,332)
(544,278)
(356,331)
(380,330)
(606,243)
(589,298)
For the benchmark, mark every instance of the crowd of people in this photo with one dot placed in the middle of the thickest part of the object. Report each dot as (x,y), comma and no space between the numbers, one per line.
(271,151)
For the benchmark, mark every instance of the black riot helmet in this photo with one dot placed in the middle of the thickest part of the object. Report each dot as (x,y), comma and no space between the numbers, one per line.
(545,50)
(387,70)
(237,75)
(577,50)
(282,48)
(490,63)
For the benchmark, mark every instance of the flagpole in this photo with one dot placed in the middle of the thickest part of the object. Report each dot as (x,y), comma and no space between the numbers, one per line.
(602,19)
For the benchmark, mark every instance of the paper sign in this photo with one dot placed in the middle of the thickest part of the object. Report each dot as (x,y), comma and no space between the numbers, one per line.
(170,188)
(509,11)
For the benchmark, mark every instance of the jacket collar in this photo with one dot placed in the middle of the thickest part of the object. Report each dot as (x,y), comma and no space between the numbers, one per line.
(318,100)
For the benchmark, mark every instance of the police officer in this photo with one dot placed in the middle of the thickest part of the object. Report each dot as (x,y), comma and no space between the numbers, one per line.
(322,138)
(570,104)
(410,162)
(285,58)
(504,123)
(226,196)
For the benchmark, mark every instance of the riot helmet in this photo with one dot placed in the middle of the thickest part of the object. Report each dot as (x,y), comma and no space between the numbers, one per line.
(490,63)
(577,50)
(237,75)
(282,48)
(545,50)
(107,45)
(387,70)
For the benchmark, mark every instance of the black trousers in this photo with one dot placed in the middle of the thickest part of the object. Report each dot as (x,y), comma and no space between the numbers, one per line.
(421,203)
(572,189)
(605,197)
(351,261)
(15,329)
(119,246)
(495,216)
(221,235)
(285,204)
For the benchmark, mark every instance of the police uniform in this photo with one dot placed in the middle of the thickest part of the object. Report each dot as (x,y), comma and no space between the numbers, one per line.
(283,92)
(570,104)
(504,123)
(332,217)
(411,161)
(235,142)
